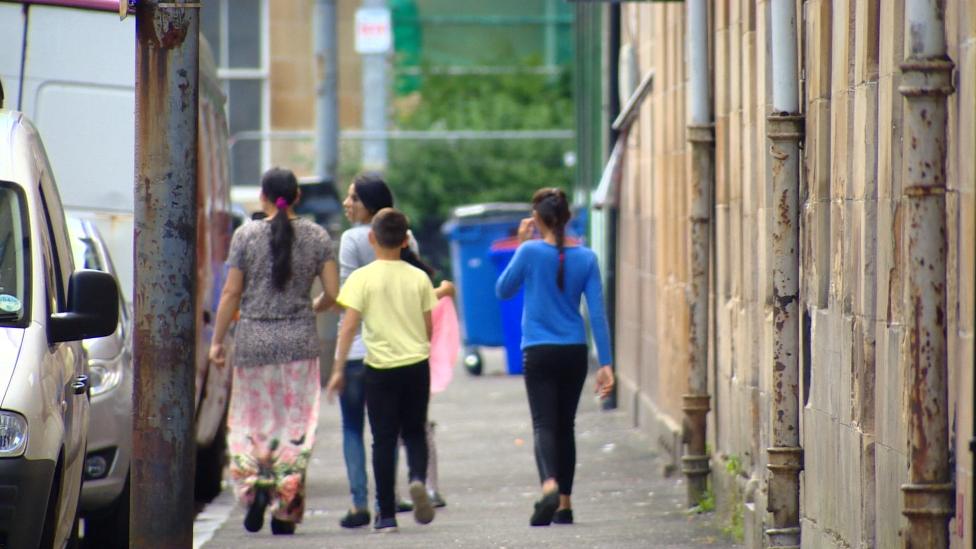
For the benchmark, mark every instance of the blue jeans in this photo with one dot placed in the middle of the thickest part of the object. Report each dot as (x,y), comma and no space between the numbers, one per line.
(352,402)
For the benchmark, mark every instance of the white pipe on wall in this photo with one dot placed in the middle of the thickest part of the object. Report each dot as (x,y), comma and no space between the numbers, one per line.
(699,100)
(696,402)
(926,82)
(925,26)
(786,95)
(784,127)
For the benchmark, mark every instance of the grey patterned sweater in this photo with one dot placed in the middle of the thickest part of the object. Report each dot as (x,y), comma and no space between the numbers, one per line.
(277,326)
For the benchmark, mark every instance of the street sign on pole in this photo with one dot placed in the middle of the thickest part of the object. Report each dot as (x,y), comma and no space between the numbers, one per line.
(374,30)
(374,41)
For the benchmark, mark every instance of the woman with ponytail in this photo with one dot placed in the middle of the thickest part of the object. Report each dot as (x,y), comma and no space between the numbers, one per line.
(274,401)
(556,275)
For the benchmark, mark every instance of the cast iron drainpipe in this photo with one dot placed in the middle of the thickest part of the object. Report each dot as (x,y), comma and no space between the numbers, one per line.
(696,404)
(163,449)
(926,82)
(785,130)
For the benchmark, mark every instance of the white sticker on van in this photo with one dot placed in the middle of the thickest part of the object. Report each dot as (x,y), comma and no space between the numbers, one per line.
(9,303)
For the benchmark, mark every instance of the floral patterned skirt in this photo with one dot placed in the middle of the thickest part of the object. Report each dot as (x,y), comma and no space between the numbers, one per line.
(274,410)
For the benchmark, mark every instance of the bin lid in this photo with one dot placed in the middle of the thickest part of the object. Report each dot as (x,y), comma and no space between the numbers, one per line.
(491,209)
(505,244)
(510,243)
(486,213)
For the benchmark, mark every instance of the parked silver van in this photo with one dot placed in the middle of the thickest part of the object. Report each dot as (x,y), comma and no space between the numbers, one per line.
(46,309)
(105,493)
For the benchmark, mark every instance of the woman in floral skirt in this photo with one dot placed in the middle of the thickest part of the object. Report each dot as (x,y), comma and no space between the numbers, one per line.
(275,397)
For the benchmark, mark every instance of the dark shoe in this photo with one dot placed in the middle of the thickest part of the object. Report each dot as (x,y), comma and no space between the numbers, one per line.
(355,519)
(545,508)
(423,511)
(254,519)
(385,525)
(563,516)
(404,506)
(282,527)
(437,500)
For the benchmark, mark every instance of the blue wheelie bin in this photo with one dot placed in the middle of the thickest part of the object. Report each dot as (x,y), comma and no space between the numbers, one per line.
(502,252)
(471,230)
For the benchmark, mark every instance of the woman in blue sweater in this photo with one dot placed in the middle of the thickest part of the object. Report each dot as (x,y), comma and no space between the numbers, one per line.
(556,275)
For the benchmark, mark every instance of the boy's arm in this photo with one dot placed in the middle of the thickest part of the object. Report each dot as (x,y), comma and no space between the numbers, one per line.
(429,321)
(348,329)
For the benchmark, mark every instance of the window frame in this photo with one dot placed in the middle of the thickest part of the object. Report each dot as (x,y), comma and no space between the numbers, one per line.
(226,73)
(27,255)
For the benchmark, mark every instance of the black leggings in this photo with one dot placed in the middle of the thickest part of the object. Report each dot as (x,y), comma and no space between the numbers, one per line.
(396,399)
(554,377)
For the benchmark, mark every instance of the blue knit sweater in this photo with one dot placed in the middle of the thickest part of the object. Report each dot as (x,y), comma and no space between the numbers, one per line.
(550,315)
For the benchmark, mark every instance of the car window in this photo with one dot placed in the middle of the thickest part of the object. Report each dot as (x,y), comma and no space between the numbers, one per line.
(14,257)
(60,264)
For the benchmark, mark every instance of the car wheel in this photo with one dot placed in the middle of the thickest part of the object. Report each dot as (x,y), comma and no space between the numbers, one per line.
(211,461)
(472,361)
(110,529)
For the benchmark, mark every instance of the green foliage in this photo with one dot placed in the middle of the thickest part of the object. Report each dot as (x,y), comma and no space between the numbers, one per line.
(431,177)
(735,527)
(706,502)
(733,465)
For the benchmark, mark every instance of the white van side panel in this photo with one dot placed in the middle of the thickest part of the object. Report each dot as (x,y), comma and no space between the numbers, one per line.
(11,38)
(79,90)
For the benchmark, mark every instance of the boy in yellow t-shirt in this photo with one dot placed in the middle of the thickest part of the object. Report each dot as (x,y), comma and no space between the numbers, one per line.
(393,301)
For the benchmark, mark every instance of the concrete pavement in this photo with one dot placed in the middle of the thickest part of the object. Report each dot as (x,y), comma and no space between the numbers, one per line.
(488,477)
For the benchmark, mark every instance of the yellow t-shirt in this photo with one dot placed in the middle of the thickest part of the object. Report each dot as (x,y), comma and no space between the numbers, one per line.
(392,297)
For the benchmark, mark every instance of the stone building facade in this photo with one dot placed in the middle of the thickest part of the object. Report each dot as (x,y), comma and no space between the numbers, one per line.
(856,394)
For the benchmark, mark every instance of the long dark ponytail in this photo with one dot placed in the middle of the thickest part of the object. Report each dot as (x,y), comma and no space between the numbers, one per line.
(553,209)
(280,187)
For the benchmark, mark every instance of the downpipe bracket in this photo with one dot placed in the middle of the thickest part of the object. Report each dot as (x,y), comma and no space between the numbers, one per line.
(783,538)
(928,501)
(926,78)
(696,403)
(785,127)
(701,133)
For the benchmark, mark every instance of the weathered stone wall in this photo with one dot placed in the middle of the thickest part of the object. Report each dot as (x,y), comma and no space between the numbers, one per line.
(961,172)
(653,269)
(853,239)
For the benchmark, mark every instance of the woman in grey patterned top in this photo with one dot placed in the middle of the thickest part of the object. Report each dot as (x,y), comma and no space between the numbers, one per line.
(275,396)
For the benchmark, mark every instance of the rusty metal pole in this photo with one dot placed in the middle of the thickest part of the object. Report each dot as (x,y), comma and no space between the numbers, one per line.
(785,130)
(926,82)
(165,239)
(696,404)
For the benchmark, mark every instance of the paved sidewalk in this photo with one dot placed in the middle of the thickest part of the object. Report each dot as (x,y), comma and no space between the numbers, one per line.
(487,470)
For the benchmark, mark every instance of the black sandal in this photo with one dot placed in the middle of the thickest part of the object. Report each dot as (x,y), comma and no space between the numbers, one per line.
(254,519)
(545,508)
(282,527)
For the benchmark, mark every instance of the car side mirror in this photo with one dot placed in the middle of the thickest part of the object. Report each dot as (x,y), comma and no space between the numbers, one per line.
(93,308)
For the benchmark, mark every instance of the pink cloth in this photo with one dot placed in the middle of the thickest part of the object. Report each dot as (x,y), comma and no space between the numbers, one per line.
(445,343)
